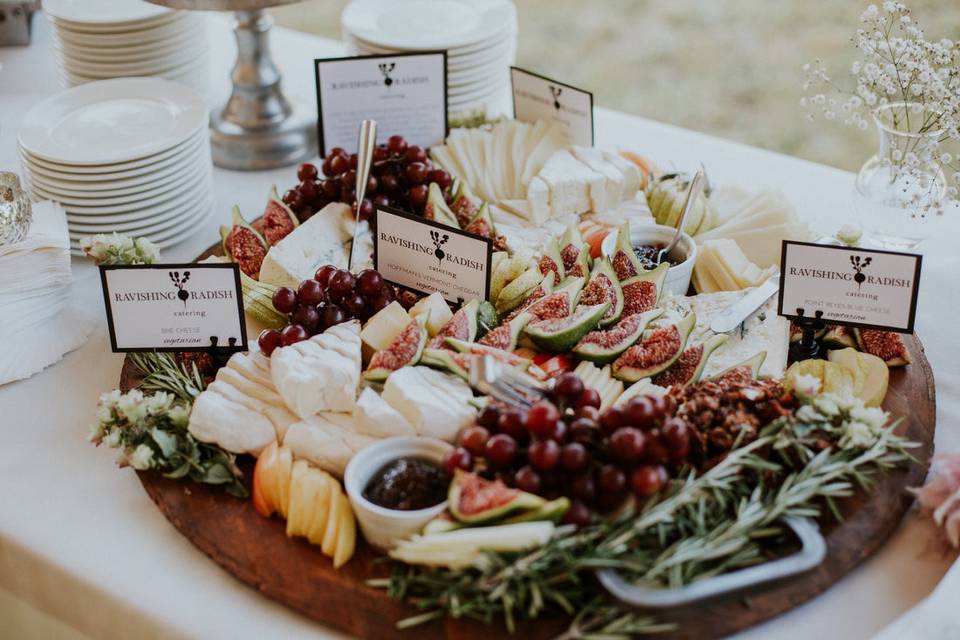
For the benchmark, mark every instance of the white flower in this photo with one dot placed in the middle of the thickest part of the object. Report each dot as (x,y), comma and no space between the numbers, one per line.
(870,13)
(112,439)
(946,158)
(158,403)
(806,386)
(97,431)
(873,416)
(131,406)
(179,415)
(857,435)
(142,457)
(827,405)
(849,235)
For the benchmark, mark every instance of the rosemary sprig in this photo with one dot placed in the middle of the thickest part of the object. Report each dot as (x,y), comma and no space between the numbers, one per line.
(162,372)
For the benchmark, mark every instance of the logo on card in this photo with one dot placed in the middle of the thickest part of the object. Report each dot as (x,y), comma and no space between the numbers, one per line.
(180,282)
(386,68)
(859,264)
(555,92)
(438,241)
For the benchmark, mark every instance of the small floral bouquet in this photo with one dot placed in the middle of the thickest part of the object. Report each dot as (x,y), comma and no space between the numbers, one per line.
(115,248)
(910,87)
(151,433)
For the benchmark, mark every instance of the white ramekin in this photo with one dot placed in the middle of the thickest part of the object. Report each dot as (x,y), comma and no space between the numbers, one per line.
(384,527)
(678,276)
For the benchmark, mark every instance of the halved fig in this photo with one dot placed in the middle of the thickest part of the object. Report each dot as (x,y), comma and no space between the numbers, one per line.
(839,337)
(437,209)
(450,361)
(689,367)
(505,336)
(561,334)
(481,224)
(551,261)
(604,287)
(659,349)
(574,252)
(244,245)
(474,348)
(886,345)
(474,500)
(746,370)
(462,325)
(543,289)
(278,220)
(642,292)
(605,346)
(625,262)
(405,350)
(465,205)
(519,289)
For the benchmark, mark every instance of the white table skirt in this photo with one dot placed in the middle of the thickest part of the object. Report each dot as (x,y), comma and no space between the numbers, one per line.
(83,551)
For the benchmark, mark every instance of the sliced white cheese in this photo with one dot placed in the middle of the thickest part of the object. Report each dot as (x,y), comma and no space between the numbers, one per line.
(436,404)
(216,419)
(762,246)
(569,181)
(328,440)
(277,413)
(630,171)
(546,139)
(322,239)
(319,374)
(614,180)
(376,418)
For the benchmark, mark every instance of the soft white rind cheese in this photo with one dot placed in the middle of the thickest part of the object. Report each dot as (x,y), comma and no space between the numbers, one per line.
(323,239)
(328,440)
(436,404)
(219,420)
(376,418)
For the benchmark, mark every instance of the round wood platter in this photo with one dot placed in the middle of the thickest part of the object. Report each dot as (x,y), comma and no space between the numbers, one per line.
(291,571)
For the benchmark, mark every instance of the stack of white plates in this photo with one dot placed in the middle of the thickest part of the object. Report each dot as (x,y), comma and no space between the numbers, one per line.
(130,155)
(100,39)
(479,36)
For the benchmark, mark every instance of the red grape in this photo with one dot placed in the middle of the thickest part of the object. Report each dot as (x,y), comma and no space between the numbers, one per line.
(369,282)
(324,274)
(293,199)
(501,449)
(354,304)
(293,333)
(354,159)
(331,314)
(330,188)
(656,450)
(415,153)
(627,444)
(648,480)
(584,432)
(459,458)
(341,283)
(510,422)
(584,487)
(348,180)
(441,177)
(372,185)
(338,165)
(568,387)
(474,440)
(417,196)
(542,419)
(527,480)
(380,153)
(611,420)
(307,317)
(397,145)
(389,183)
(588,412)
(489,417)
(381,200)
(589,398)
(658,404)
(675,434)
(388,292)
(578,514)
(611,480)
(307,171)
(415,173)
(639,413)
(377,303)
(268,341)
(338,151)
(544,455)
(561,432)
(574,457)
(310,292)
(366,208)
(327,166)
(285,300)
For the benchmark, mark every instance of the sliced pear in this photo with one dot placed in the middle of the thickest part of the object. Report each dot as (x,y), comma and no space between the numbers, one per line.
(848,358)
(263,476)
(837,379)
(283,477)
(298,508)
(326,485)
(874,374)
(346,535)
(329,544)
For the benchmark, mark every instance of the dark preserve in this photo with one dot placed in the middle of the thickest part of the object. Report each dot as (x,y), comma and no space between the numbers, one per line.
(648,255)
(407,484)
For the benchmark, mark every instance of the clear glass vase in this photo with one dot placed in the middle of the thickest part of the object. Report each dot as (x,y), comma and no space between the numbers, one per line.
(901,190)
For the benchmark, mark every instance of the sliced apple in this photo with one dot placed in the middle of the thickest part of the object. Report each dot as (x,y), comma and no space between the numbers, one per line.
(326,485)
(873,374)
(298,507)
(284,470)
(346,535)
(264,474)
(849,359)
(329,544)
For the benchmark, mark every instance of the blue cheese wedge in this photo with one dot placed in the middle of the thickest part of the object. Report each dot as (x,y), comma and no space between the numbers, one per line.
(319,374)
(435,404)
(323,239)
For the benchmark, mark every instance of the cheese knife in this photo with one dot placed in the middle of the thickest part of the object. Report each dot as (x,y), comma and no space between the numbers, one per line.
(366,143)
(734,315)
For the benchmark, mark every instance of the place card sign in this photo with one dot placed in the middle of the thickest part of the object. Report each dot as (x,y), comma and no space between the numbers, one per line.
(405,93)
(424,256)
(851,286)
(173,307)
(538,98)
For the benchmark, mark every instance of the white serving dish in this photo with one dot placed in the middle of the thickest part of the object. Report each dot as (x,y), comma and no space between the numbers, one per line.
(383,527)
(678,276)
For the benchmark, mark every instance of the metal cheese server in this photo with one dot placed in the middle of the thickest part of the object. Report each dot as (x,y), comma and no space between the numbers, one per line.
(734,315)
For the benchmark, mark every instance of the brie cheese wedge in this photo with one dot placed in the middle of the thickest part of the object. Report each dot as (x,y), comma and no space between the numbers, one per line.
(219,420)
(436,404)
(376,418)
(327,440)
(322,239)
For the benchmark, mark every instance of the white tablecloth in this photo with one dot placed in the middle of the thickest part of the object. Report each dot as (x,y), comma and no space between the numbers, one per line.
(83,551)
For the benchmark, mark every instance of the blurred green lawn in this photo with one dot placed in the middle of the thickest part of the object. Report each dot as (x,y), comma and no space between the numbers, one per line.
(731,68)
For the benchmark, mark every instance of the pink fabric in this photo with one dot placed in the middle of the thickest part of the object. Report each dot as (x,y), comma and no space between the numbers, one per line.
(940,497)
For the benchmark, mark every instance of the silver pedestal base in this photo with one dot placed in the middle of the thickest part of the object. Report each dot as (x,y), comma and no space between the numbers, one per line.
(246,149)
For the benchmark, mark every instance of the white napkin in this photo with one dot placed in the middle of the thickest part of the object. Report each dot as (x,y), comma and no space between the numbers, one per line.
(39,321)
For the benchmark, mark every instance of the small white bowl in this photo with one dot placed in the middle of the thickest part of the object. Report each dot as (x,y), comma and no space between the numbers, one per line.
(384,527)
(678,276)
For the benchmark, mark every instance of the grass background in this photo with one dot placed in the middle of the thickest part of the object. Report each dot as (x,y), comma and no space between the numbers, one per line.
(732,68)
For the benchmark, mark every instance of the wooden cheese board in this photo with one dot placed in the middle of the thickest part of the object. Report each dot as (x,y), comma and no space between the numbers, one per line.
(291,571)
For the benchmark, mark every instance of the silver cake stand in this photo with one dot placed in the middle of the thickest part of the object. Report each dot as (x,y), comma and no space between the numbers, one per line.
(258,128)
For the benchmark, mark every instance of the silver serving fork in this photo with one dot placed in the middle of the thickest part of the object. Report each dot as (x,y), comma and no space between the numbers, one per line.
(504,383)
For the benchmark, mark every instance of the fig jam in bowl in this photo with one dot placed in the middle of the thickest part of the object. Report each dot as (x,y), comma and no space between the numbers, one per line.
(396,486)
(647,240)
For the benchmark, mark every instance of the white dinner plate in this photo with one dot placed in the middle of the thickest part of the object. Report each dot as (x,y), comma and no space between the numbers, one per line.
(181,61)
(128,206)
(115,55)
(162,167)
(158,219)
(113,121)
(501,38)
(477,88)
(125,39)
(102,11)
(162,240)
(115,27)
(190,144)
(453,64)
(419,24)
